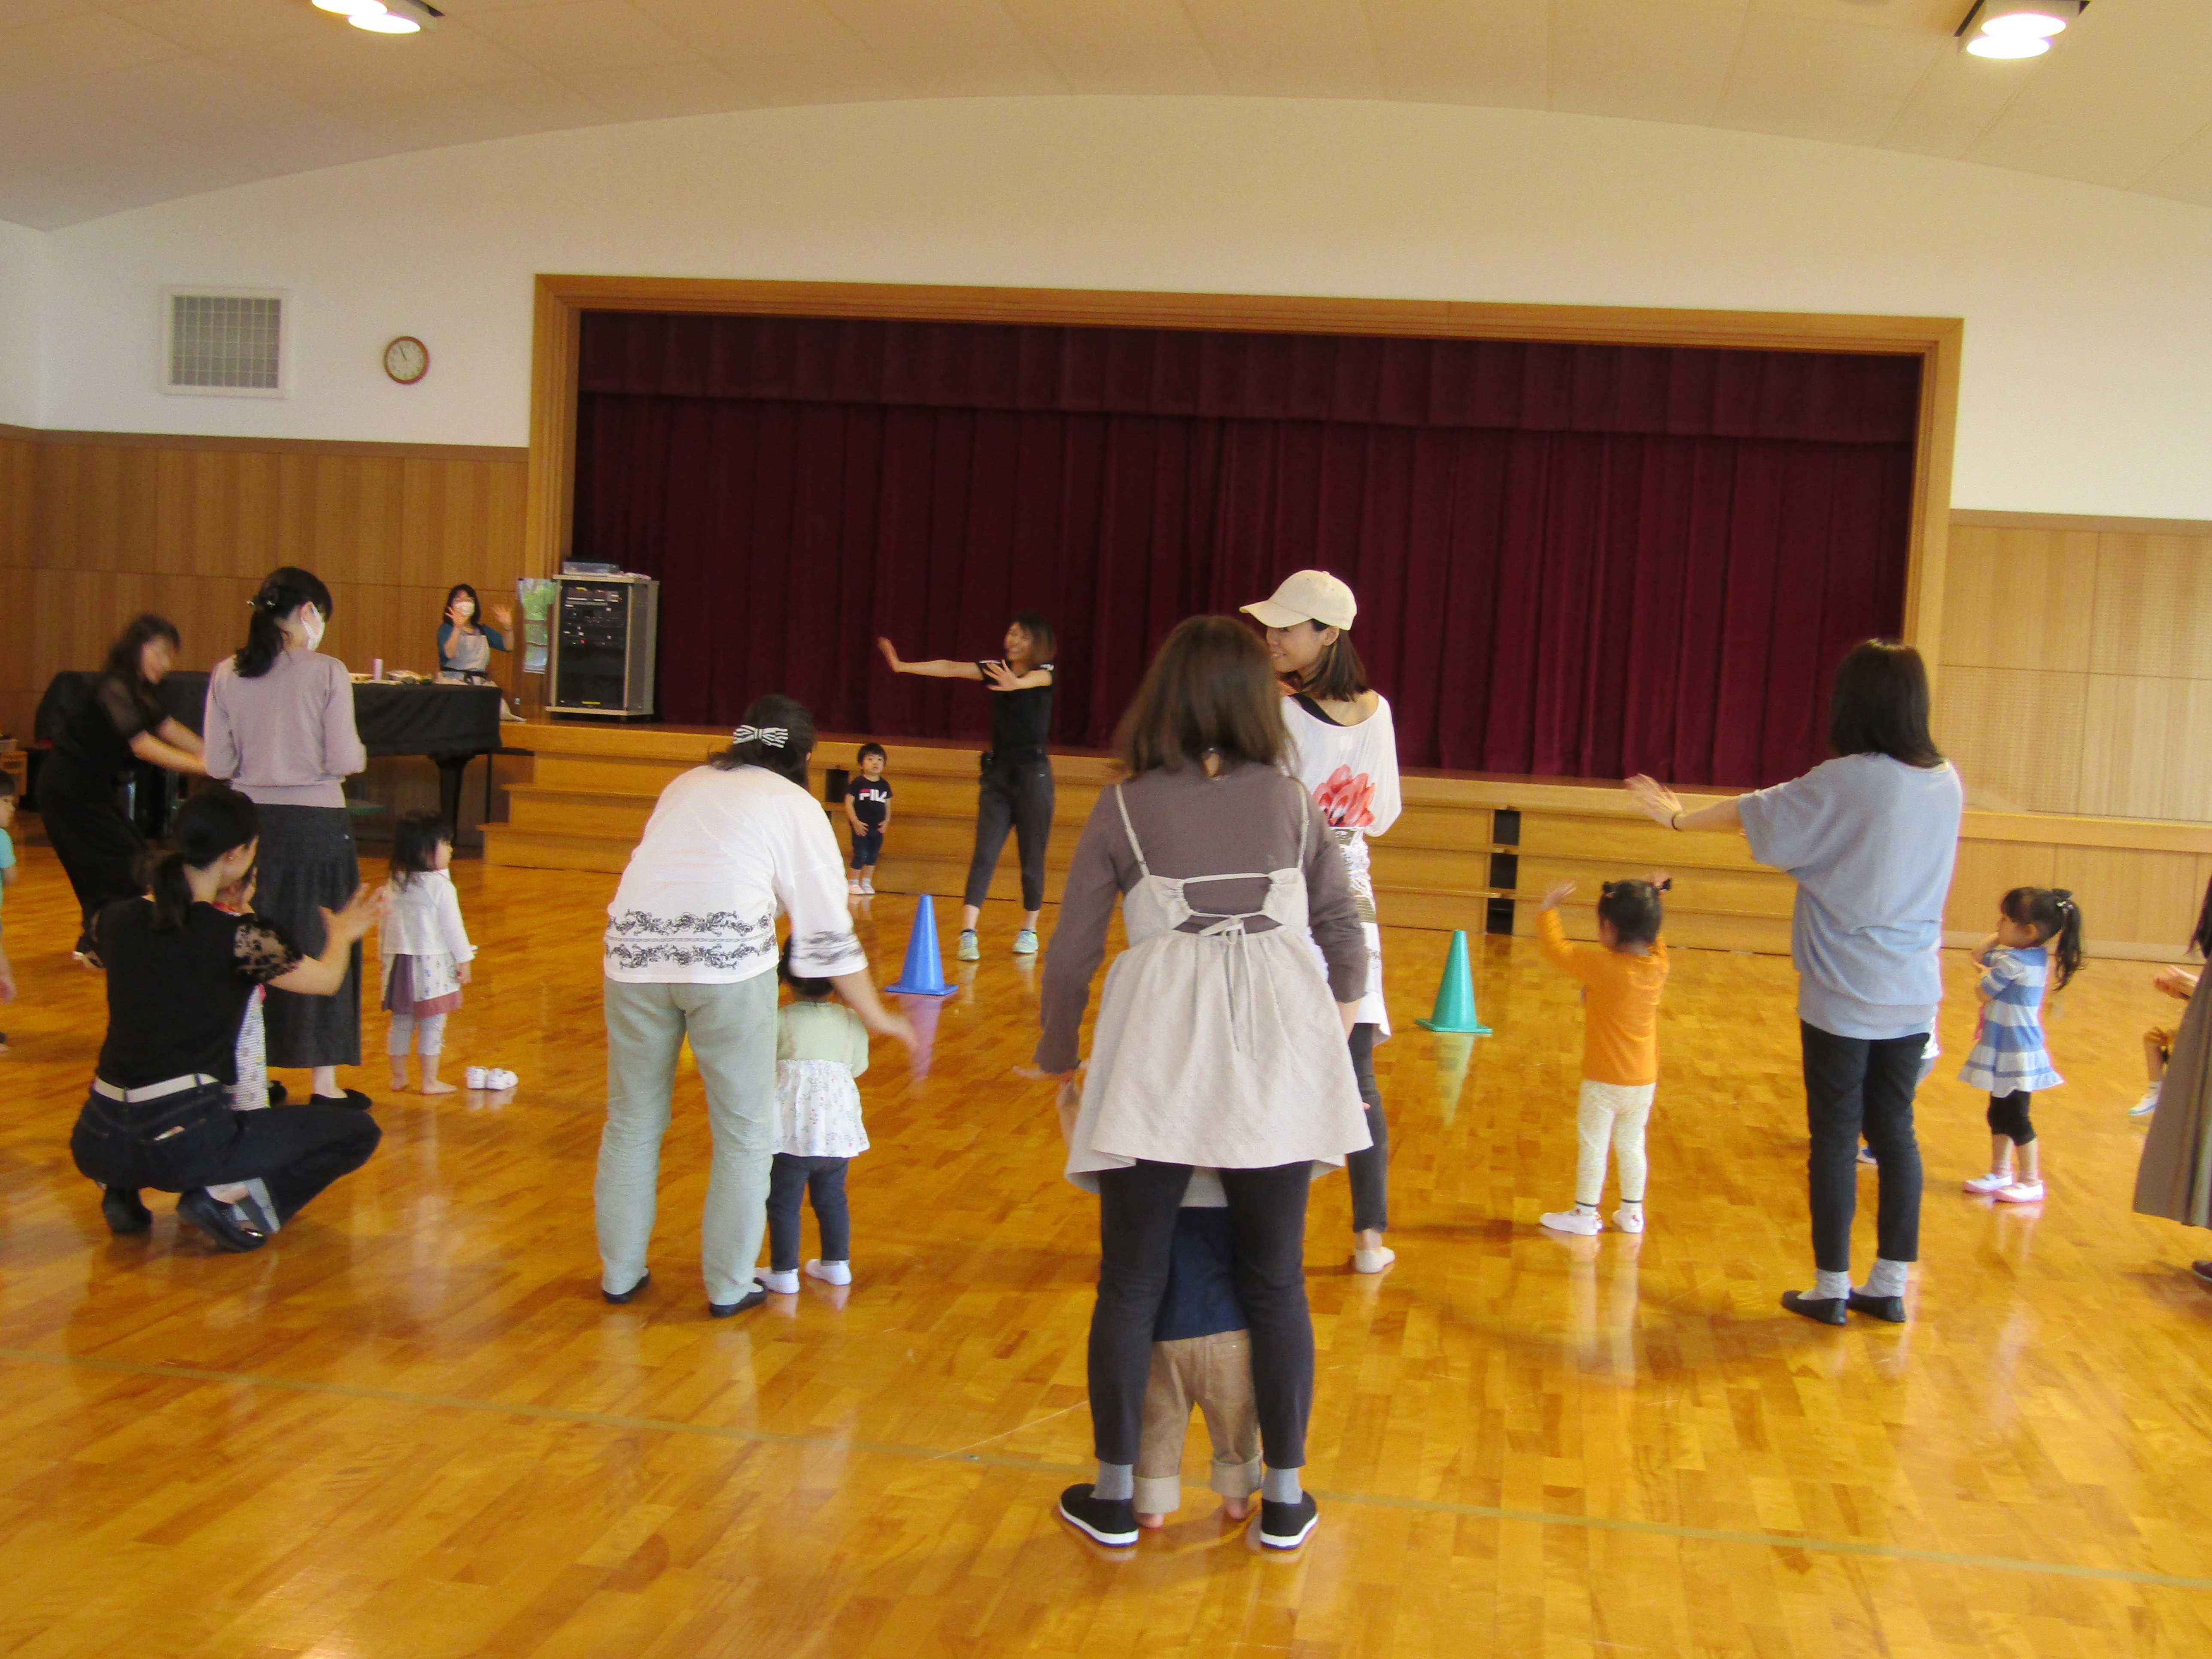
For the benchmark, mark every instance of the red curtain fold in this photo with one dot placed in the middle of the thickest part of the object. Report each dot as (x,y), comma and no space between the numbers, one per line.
(1571,561)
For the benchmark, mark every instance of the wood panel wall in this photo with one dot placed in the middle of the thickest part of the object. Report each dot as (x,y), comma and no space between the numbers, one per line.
(96,527)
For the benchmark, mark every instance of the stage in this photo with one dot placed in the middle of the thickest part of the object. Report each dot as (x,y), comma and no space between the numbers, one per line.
(410,1426)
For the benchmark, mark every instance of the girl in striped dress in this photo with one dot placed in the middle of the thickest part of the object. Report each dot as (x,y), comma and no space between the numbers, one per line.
(2038,944)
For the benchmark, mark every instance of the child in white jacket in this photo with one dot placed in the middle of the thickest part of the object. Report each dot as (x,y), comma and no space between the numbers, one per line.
(426,948)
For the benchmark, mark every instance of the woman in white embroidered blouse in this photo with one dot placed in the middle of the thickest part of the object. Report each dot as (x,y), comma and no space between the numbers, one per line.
(691,951)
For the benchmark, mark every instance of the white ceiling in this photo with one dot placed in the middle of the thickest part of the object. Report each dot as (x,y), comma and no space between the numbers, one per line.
(112,104)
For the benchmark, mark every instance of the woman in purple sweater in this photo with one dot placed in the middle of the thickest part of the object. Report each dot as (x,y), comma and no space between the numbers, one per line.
(280,730)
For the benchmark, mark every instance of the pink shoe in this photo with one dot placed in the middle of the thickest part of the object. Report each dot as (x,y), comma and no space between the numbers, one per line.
(2020,1191)
(1995,1181)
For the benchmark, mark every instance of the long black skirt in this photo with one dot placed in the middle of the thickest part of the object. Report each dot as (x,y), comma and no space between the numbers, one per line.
(308,865)
(101,850)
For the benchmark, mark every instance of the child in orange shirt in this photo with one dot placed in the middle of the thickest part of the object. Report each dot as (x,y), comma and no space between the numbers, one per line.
(1621,984)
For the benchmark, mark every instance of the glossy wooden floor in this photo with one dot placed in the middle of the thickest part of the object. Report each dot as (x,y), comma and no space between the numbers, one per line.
(410,1427)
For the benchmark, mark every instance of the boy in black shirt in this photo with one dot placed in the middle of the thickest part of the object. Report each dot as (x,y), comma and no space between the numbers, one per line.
(868,811)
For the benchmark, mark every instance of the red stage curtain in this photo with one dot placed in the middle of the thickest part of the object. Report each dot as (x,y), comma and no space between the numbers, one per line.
(1571,561)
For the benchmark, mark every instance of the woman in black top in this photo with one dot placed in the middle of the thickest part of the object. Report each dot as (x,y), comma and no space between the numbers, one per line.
(179,974)
(1016,787)
(97,737)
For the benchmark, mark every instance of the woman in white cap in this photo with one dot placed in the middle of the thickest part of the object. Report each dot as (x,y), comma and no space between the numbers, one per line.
(1346,753)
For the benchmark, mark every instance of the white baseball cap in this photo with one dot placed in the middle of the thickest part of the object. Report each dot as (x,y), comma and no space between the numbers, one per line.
(1307,596)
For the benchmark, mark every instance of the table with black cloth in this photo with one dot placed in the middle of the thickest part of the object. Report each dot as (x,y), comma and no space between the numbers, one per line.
(451,724)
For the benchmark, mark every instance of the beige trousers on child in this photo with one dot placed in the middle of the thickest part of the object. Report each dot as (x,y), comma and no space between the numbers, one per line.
(1213,1373)
(1614,1112)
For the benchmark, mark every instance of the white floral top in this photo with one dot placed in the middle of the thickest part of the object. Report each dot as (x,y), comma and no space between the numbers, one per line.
(724,853)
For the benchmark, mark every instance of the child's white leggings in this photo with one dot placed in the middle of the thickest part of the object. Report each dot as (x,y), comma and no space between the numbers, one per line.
(427,1033)
(1614,1112)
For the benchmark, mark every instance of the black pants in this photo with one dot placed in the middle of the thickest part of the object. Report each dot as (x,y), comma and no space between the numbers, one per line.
(1136,1233)
(1017,796)
(193,1140)
(1370,1170)
(1854,1087)
(2008,1116)
(101,850)
(823,1181)
(867,848)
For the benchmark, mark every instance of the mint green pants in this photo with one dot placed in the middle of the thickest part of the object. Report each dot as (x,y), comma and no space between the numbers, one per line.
(733,1033)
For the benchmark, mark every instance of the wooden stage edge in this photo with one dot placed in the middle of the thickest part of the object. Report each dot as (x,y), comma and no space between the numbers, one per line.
(1471,851)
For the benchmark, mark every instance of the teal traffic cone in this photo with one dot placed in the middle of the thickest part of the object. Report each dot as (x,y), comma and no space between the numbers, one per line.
(924,973)
(1454,1009)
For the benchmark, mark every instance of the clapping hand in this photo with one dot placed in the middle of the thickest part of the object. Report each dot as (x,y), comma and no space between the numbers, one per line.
(362,912)
(1001,677)
(1654,799)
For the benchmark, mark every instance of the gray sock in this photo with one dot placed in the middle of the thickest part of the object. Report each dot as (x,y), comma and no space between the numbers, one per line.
(1280,1485)
(1116,1480)
(1886,1277)
(1831,1287)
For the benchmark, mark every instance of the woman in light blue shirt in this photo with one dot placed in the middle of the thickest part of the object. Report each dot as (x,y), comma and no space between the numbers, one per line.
(1870,837)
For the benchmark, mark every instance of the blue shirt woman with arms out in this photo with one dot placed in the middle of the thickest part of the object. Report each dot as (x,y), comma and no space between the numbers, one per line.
(465,645)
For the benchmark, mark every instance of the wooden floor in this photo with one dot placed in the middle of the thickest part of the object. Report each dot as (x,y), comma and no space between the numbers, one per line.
(410,1427)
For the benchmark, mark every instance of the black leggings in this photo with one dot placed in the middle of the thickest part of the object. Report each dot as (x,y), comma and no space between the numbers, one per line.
(1855,1086)
(822,1180)
(1370,1170)
(1136,1237)
(1017,797)
(295,1151)
(2008,1116)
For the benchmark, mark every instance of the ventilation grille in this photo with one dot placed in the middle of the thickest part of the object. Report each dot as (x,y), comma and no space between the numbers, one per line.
(226,343)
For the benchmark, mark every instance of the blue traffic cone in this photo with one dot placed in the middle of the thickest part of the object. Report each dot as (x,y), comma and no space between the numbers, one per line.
(1454,1009)
(924,973)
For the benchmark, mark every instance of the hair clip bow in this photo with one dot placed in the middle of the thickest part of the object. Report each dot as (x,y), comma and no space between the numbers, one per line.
(769,737)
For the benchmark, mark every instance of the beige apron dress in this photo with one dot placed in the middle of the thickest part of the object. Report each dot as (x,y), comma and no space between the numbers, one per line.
(1221,1048)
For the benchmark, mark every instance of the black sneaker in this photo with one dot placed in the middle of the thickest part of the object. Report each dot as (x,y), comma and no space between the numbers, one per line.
(1287,1526)
(125,1212)
(1890,1307)
(1826,1309)
(752,1298)
(233,1226)
(352,1098)
(1109,1521)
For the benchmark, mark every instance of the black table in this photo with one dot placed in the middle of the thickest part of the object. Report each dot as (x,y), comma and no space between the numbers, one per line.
(451,724)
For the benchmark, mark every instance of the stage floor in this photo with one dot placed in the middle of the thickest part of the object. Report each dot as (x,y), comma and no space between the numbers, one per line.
(411,1428)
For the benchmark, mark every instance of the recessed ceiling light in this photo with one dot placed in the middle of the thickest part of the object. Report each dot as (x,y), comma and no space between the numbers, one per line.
(2015,28)
(350,8)
(1981,46)
(383,16)
(381,22)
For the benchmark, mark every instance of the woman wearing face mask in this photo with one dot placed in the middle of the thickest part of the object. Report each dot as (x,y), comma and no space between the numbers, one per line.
(96,739)
(280,729)
(465,645)
(1345,750)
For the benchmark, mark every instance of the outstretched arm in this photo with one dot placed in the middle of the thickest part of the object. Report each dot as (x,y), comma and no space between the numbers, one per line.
(1662,805)
(938,669)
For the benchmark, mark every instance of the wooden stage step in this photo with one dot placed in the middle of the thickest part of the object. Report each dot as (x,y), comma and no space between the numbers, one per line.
(592,787)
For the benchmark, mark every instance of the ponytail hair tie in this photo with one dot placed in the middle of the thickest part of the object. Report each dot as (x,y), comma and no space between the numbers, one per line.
(769,737)
(1666,886)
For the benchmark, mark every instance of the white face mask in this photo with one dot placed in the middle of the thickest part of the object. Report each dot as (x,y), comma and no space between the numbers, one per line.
(463,609)
(310,626)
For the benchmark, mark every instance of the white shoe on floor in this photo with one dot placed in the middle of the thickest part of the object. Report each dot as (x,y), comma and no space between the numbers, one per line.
(473,1077)
(1582,1221)
(493,1078)
(779,1283)
(830,1272)
(1629,1217)
(1372,1261)
(1995,1181)
(2147,1105)
(2019,1192)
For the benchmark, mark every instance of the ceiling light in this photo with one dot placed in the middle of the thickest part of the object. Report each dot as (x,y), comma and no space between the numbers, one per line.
(1982,46)
(350,7)
(2015,28)
(381,22)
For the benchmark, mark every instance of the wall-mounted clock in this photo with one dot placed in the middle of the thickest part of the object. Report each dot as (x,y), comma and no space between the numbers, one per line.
(407,360)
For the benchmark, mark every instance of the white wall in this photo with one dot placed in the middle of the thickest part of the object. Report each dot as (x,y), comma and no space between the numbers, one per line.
(22,259)
(2088,368)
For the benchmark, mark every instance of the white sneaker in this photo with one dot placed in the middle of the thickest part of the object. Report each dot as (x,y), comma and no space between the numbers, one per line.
(1629,1217)
(830,1272)
(495,1077)
(1025,942)
(473,1077)
(2147,1105)
(1584,1222)
(1372,1261)
(1867,1157)
(1995,1181)
(868,885)
(779,1283)
(2019,1192)
(854,889)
